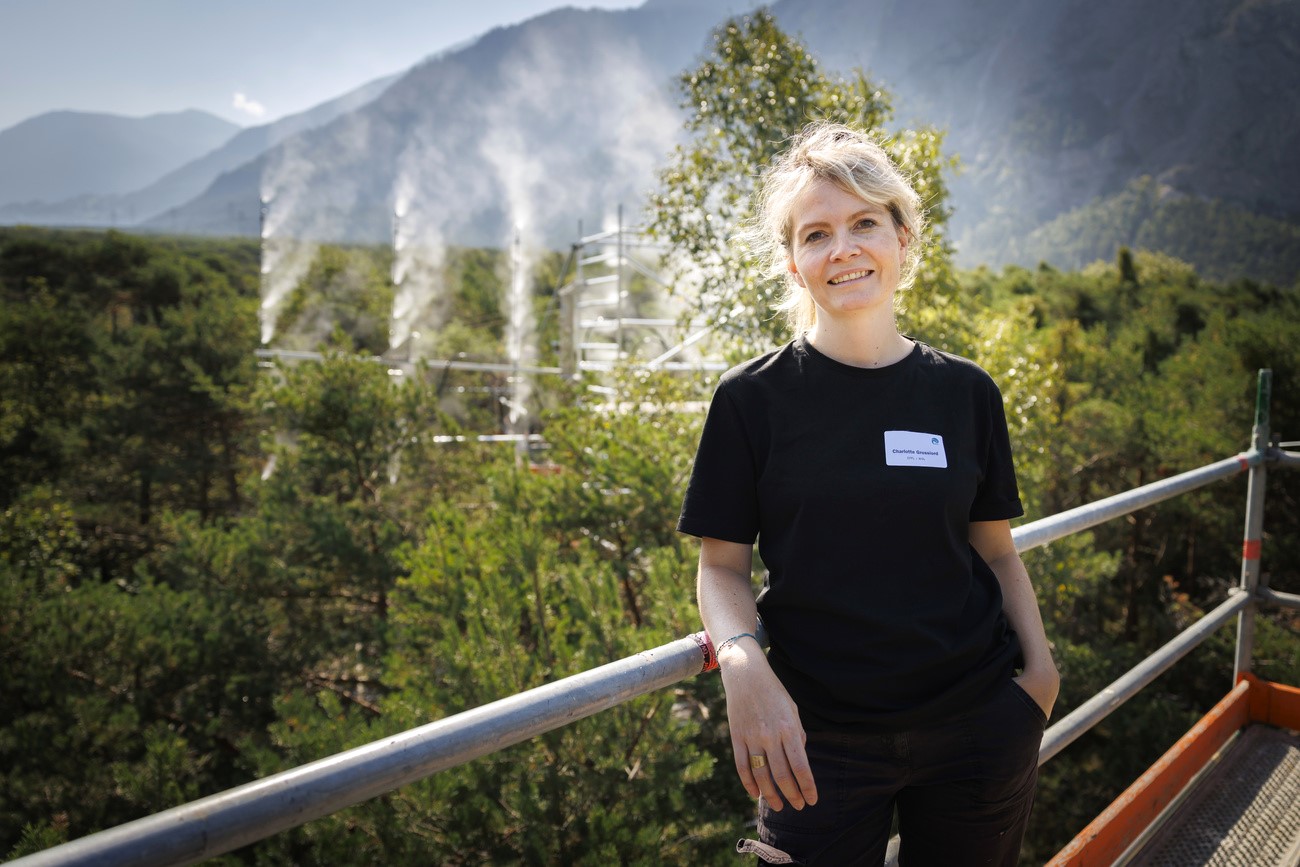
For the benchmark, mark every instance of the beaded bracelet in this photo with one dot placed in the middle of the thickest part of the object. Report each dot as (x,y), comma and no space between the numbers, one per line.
(732,640)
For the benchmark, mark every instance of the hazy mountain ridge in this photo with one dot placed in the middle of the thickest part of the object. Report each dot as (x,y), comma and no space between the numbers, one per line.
(65,153)
(191,179)
(545,123)
(1204,100)
(1220,240)
(1050,107)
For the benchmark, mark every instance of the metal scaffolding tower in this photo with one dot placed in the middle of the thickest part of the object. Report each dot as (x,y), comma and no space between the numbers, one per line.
(600,323)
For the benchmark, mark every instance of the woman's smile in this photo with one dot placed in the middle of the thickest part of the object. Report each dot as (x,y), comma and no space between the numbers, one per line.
(854,275)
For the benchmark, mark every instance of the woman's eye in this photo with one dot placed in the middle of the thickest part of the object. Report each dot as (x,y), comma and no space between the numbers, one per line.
(814,236)
(866,223)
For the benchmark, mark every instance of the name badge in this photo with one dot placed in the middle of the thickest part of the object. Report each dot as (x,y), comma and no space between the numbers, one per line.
(908,448)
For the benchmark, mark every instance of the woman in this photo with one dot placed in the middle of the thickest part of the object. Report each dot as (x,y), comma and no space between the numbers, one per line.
(875,473)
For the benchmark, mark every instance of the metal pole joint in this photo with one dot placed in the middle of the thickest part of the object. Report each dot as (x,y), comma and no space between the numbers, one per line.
(1253,535)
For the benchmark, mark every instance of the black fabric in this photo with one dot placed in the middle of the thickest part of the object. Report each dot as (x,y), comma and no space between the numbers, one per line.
(963,788)
(879,611)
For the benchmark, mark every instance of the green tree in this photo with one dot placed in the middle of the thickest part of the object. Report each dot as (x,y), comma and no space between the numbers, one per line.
(46,351)
(527,579)
(121,698)
(127,367)
(346,291)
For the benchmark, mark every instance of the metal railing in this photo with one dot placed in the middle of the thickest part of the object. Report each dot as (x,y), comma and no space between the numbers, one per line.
(234,818)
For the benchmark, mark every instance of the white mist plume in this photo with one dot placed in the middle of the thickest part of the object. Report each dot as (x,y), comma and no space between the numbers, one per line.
(572,105)
(285,261)
(523,176)
(555,175)
(298,215)
(286,255)
(420,217)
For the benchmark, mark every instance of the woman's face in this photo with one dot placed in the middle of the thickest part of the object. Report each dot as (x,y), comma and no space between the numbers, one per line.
(845,251)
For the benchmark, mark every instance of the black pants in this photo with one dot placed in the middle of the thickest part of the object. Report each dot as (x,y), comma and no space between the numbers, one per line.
(963,788)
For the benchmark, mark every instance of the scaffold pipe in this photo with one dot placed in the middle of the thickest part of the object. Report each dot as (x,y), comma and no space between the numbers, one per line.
(1101,705)
(1045,530)
(1275,597)
(235,818)
(1285,459)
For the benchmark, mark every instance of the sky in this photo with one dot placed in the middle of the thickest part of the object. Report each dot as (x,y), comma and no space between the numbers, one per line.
(248,61)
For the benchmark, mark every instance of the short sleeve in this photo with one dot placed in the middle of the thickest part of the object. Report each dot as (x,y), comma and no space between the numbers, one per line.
(998,496)
(721,499)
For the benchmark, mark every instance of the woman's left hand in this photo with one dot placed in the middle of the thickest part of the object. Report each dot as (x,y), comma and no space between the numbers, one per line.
(1042,684)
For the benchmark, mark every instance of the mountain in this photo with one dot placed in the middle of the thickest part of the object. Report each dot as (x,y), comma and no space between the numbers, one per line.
(1052,106)
(1220,240)
(1054,110)
(65,153)
(191,179)
(537,126)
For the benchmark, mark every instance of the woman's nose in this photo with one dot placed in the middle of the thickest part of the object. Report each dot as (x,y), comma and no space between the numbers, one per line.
(844,246)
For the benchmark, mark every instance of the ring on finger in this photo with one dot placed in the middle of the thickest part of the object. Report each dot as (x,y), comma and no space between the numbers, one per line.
(757,760)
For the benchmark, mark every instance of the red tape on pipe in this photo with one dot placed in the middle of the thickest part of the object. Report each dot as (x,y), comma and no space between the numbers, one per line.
(706,649)
(1250,549)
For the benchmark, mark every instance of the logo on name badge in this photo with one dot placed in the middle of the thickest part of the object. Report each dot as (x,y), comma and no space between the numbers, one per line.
(908,448)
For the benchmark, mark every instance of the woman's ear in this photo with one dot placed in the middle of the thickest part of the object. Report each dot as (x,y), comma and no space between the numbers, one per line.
(794,271)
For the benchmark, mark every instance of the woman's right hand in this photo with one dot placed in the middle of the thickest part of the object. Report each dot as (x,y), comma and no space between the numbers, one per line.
(760,714)
(764,721)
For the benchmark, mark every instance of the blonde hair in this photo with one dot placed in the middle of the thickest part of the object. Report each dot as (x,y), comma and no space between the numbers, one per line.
(855,163)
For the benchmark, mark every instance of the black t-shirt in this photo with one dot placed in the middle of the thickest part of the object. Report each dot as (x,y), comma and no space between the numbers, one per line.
(859,485)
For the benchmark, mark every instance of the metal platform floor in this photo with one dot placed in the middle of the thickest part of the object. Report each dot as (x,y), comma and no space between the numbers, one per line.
(1244,811)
